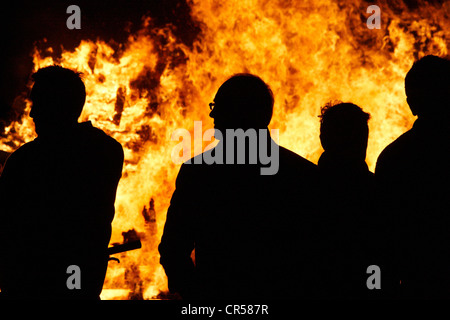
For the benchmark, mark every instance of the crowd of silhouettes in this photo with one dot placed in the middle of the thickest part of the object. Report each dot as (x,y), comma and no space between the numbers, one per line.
(307,231)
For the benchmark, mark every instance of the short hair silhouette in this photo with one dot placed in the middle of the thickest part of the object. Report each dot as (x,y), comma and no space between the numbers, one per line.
(343,126)
(63,184)
(59,92)
(427,86)
(244,100)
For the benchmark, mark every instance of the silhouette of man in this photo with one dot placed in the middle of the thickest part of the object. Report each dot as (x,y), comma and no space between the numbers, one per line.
(413,174)
(347,186)
(247,228)
(59,192)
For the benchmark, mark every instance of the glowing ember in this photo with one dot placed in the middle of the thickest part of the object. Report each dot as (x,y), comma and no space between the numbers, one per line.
(310,52)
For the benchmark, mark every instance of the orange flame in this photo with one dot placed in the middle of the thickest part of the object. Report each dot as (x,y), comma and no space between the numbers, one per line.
(309,52)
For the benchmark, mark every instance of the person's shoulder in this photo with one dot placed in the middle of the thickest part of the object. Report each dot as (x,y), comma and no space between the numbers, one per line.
(196,164)
(290,158)
(101,137)
(21,158)
(24,151)
(400,147)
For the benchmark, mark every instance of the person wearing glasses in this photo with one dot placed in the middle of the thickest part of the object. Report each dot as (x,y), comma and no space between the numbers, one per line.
(249,230)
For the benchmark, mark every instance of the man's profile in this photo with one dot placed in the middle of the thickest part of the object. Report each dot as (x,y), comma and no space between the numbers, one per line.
(413,173)
(57,194)
(248,229)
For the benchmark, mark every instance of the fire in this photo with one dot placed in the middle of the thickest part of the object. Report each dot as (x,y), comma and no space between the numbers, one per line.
(309,52)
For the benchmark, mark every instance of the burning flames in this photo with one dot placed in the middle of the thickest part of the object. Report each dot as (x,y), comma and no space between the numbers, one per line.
(309,52)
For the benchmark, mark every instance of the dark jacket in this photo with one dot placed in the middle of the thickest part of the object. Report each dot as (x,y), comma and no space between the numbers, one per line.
(346,227)
(413,173)
(57,198)
(249,231)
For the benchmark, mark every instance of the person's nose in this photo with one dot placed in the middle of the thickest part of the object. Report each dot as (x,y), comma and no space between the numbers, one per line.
(212,114)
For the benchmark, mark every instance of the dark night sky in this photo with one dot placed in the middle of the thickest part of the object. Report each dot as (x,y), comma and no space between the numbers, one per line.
(25,22)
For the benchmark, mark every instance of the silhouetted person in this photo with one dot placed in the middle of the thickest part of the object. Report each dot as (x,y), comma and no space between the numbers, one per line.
(346,190)
(59,192)
(247,228)
(413,173)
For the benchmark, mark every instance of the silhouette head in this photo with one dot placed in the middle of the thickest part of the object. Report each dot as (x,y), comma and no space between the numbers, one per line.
(58,97)
(427,87)
(243,101)
(344,130)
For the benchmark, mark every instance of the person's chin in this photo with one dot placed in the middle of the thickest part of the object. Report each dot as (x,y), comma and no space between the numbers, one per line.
(41,130)
(37,129)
